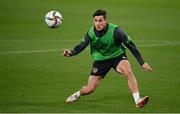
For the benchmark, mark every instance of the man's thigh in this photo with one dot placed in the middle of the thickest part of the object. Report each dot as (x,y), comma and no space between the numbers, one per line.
(93,81)
(124,67)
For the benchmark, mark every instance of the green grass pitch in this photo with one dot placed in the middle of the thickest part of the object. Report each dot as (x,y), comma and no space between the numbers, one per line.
(35,77)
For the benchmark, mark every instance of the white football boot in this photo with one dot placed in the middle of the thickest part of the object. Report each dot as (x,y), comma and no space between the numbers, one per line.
(72,98)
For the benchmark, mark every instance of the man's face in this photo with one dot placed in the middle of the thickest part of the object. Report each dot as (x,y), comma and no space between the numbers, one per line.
(99,22)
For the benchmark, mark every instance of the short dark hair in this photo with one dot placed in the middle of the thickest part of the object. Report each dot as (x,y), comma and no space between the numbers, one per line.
(99,13)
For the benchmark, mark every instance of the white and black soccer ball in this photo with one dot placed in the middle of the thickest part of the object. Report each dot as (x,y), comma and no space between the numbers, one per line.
(53,19)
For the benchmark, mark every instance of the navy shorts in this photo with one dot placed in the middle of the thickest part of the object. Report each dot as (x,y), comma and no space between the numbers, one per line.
(101,67)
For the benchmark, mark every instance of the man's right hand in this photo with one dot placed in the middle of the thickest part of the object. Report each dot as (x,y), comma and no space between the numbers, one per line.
(67,53)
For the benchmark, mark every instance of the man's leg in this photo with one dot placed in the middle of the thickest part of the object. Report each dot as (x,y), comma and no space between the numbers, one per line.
(125,69)
(93,82)
(91,85)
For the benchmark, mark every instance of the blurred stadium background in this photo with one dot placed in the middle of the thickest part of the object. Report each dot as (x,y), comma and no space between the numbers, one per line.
(35,77)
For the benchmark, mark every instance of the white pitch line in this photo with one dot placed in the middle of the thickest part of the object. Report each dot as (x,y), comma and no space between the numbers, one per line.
(160,44)
(29,51)
(56,50)
(38,40)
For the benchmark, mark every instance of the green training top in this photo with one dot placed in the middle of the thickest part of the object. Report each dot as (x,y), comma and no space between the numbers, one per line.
(104,47)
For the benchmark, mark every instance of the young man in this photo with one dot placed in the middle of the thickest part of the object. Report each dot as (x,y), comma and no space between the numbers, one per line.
(107,48)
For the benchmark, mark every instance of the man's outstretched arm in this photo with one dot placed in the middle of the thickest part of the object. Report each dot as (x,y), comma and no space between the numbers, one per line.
(78,48)
(121,37)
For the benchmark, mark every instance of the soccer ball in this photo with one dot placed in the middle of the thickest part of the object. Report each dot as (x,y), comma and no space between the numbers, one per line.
(53,19)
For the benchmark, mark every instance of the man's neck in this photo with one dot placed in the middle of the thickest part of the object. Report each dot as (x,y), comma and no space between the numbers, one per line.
(101,32)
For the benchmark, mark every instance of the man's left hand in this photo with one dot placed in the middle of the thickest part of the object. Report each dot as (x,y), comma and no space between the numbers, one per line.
(146,67)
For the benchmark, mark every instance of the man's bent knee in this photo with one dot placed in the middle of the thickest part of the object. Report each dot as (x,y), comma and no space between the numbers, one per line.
(91,86)
(90,90)
(128,73)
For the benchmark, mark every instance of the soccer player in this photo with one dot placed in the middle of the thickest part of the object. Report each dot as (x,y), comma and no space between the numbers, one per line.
(107,42)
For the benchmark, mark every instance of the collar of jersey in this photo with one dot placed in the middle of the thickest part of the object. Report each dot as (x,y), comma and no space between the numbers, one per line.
(101,32)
